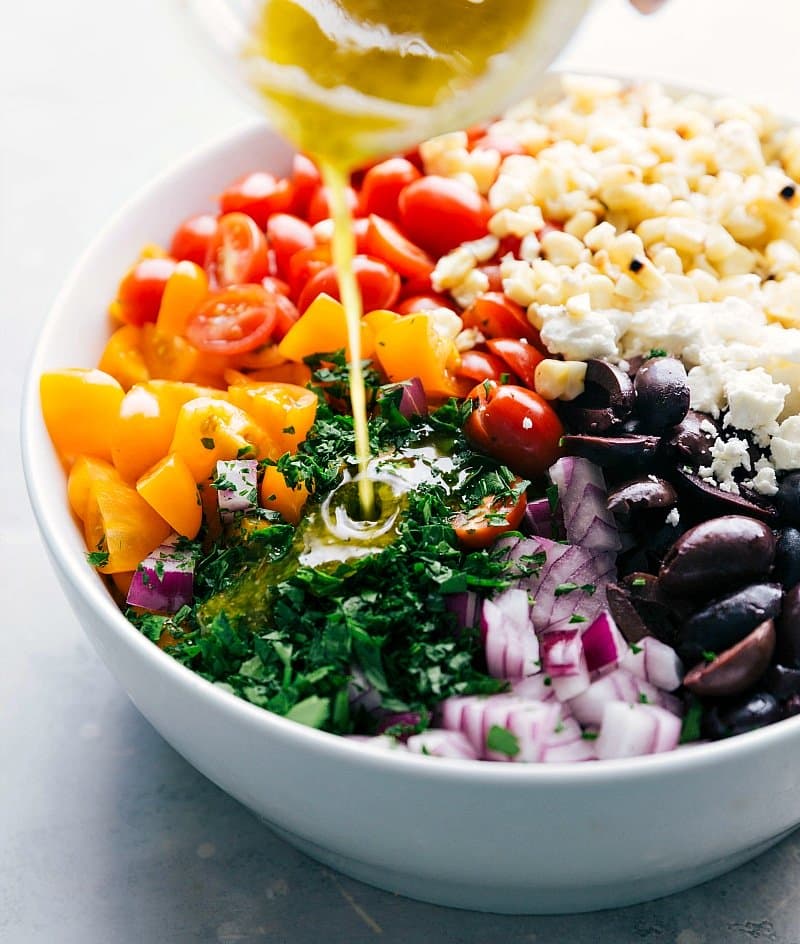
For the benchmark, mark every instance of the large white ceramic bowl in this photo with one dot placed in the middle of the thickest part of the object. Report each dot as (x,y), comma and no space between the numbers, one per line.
(494,837)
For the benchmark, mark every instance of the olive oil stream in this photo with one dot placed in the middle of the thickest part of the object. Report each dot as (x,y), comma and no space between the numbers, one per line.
(348,80)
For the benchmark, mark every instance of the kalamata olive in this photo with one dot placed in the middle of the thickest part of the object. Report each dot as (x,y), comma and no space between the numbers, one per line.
(718,555)
(641,494)
(607,399)
(788,648)
(641,608)
(703,500)
(692,440)
(625,614)
(736,669)
(787,558)
(726,621)
(788,498)
(738,715)
(631,426)
(630,452)
(791,707)
(662,393)
(782,682)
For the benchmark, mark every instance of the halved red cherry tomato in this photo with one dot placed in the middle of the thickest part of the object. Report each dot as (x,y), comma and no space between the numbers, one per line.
(480,365)
(496,316)
(141,290)
(278,286)
(520,357)
(287,235)
(379,284)
(423,302)
(438,214)
(259,195)
(515,426)
(192,238)
(306,180)
(385,241)
(319,207)
(286,314)
(382,185)
(234,321)
(238,252)
(482,526)
(304,265)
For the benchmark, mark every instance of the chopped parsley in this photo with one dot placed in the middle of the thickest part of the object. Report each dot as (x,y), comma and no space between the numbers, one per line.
(97,558)
(502,741)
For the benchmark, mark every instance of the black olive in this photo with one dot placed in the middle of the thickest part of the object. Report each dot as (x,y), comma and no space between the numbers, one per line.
(718,555)
(630,452)
(736,669)
(662,393)
(691,439)
(726,621)
(641,494)
(788,498)
(782,682)
(607,399)
(641,608)
(789,630)
(787,558)
(738,715)
(704,501)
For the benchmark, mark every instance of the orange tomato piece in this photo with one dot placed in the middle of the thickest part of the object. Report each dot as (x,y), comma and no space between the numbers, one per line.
(412,347)
(170,490)
(142,431)
(79,407)
(277,495)
(121,523)
(186,288)
(209,429)
(122,357)
(288,372)
(321,329)
(84,473)
(168,356)
(285,412)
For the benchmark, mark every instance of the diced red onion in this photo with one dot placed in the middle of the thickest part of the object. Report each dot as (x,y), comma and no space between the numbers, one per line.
(583,500)
(466,607)
(603,643)
(538,519)
(534,688)
(242,474)
(512,649)
(394,719)
(564,662)
(164,581)
(413,401)
(622,686)
(631,730)
(545,733)
(655,662)
(439,743)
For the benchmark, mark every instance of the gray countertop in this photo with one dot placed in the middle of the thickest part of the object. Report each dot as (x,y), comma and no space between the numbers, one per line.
(107,834)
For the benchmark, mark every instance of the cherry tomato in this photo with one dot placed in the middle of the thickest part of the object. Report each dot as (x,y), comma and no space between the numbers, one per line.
(379,284)
(385,241)
(496,316)
(259,195)
(425,301)
(276,286)
(382,185)
(286,314)
(520,357)
(482,526)
(141,290)
(306,180)
(238,252)
(439,214)
(319,207)
(479,365)
(192,238)
(508,244)
(515,426)
(234,321)
(287,235)
(304,265)
(494,275)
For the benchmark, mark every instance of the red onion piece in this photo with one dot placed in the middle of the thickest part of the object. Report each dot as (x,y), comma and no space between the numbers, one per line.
(466,607)
(603,643)
(583,500)
(164,581)
(622,686)
(406,719)
(439,743)
(512,649)
(413,401)
(242,474)
(538,519)
(564,661)
(534,688)
(655,662)
(634,730)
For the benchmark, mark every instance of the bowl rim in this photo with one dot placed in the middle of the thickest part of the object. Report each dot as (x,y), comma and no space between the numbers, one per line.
(88,584)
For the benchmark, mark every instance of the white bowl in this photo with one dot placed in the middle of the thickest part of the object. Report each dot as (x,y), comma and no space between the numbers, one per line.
(493,837)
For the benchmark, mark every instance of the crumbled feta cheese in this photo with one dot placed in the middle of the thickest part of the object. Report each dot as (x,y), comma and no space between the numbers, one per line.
(786,444)
(673,518)
(727,456)
(764,482)
(577,332)
(754,402)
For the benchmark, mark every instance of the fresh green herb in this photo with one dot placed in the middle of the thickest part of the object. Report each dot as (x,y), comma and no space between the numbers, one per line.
(643,699)
(564,588)
(589,735)
(577,618)
(97,558)
(208,442)
(552,497)
(636,649)
(638,582)
(709,656)
(656,352)
(289,430)
(690,730)
(502,741)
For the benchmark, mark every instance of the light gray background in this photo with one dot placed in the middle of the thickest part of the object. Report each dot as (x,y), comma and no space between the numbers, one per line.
(106,835)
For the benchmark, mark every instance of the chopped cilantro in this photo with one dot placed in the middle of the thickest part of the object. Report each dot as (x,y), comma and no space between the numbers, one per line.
(636,649)
(638,582)
(502,741)
(577,618)
(589,735)
(709,656)
(97,558)
(656,352)
(690,730)
(643,699)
